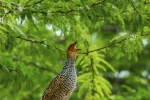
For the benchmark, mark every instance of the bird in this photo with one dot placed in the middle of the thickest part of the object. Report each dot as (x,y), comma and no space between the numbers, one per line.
(62,86)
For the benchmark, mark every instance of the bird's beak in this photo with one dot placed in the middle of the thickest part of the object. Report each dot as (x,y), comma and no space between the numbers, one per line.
(75,44)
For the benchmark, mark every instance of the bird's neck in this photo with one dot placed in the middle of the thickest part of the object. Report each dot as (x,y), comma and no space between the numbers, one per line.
(69,63)
(71,57)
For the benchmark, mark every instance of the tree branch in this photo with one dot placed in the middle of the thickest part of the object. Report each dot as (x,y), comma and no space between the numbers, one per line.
(3,17)
(93,75)
(94,4)
(33,3)
(109,45)
(42,12)
(72,10)
(138,12)
(39,42)
(38,2)
(17,6)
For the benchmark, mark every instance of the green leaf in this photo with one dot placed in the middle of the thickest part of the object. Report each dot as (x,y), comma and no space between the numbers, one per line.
(107,64)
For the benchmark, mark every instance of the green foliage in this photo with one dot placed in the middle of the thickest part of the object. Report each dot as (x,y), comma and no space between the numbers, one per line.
(114,37)
(93,85)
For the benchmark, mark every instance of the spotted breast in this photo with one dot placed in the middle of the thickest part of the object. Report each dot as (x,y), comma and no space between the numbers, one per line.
(62,86)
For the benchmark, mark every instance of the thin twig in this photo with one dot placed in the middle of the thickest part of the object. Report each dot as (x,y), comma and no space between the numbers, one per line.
(73,10)
(93,75)
(134,7)
(43,12)
(3,17)
(39,42)
(105,47)
(59,11)
(94,4)
(109,45)
(13,4)
(38,2)
(138,12)
(33,3)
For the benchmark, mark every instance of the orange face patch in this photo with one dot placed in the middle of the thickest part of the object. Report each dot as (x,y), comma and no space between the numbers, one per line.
(72,50)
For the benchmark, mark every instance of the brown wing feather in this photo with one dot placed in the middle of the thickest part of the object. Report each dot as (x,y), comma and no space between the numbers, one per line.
(54,89)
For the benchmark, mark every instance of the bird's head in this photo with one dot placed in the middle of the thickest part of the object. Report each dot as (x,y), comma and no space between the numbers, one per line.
(72,51)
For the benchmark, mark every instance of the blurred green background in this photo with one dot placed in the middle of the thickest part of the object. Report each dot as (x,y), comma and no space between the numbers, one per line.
(114,36)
